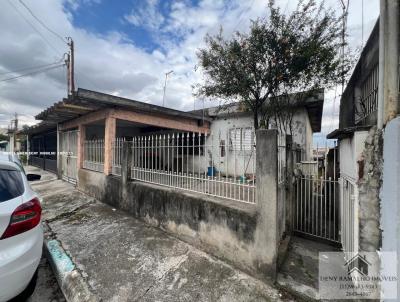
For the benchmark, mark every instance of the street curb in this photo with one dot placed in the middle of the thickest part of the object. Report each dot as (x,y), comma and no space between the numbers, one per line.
(71,282)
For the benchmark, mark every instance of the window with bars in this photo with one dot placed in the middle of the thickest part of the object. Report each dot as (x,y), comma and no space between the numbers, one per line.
(241,139)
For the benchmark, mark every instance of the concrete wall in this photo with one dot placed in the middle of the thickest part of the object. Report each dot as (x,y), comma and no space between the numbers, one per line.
(390,192)
(243,234)
(223,228)
(369,183)
(350,150)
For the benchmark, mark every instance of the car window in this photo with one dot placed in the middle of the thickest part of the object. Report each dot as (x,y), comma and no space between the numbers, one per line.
(11,184)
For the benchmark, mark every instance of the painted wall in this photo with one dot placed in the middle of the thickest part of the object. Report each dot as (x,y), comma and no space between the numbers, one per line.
(350,150)
(228,230)
(390,195)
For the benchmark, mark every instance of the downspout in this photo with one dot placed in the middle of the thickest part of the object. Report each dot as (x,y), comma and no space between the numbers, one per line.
(392,65)
(381,64)
(388,89)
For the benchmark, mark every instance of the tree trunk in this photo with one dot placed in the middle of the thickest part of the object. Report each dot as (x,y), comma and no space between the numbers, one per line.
(255,116)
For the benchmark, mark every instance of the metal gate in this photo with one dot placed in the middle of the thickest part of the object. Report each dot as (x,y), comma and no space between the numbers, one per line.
(316,209)
(69,150)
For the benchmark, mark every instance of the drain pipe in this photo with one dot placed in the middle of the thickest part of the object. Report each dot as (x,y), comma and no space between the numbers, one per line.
(392,65)
(388,85)
(381,64)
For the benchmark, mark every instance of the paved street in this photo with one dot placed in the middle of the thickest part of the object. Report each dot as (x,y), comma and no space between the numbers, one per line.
(47,289)
(123,259)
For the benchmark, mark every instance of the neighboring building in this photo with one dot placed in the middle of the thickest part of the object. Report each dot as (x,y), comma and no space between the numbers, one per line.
(232,127)
(358,108)
(99,120)
(88,123)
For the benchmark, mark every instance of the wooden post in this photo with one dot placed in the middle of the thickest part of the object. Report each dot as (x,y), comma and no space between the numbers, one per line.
(109,136)
(81,145)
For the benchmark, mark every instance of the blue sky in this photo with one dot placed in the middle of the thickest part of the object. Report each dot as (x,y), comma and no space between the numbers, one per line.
(126,47)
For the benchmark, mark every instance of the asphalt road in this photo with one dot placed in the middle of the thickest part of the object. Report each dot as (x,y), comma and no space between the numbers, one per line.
(47,289)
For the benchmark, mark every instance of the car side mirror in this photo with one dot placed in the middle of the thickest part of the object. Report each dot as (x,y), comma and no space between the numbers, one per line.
(33,177)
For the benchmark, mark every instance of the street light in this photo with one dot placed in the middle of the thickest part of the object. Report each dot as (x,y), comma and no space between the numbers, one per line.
(165,86)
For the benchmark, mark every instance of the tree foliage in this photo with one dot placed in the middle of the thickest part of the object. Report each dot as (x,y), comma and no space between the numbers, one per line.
(280,55)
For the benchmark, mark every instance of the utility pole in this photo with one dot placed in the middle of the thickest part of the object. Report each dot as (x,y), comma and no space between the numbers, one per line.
(70,66)
(165,85)
(16,121)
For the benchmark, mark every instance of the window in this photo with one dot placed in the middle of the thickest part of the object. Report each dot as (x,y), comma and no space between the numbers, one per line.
(241,139)
(11,184)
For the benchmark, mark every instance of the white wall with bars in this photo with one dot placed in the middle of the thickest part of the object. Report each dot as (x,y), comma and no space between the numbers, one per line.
(193,162)
(367,96)
(93,155)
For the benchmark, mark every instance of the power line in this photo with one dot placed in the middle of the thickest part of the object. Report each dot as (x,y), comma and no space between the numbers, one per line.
(33,27)
(33,67)
(32,73)
(42,23)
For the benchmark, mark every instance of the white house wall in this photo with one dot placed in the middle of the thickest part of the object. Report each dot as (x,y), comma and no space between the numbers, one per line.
(350,150)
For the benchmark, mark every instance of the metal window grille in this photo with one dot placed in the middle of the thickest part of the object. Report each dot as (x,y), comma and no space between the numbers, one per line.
(94,155)
(240,138)
(196,162)
(368,101)
(117,145)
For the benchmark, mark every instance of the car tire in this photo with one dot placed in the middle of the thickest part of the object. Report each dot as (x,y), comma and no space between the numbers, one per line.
(28,291)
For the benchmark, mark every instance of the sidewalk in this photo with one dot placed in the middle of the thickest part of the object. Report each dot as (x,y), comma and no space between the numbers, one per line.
(119,258)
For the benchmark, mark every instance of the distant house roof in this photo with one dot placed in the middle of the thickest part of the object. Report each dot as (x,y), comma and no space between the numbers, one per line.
(346,132)
(85,101)
(313,104)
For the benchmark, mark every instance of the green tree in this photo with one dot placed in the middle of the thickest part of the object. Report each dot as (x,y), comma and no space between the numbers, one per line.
(281,55)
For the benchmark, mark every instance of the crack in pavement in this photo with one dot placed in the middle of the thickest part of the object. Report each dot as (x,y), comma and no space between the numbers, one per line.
(172,269)
(71,212)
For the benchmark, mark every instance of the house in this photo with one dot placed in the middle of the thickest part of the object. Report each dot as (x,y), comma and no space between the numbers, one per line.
(358,108)
(88,124)
(368,142)
(233,131)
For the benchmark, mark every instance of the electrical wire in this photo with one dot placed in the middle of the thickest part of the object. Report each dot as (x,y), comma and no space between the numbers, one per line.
(33,27)
(42,23)
(32,73)
(33,67)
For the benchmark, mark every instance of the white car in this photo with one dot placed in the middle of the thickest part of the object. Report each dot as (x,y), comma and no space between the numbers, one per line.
(21,232)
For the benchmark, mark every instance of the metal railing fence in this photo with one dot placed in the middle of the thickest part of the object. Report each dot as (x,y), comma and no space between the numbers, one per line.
(117,146)
(94,155)
(349,216)
(197,162)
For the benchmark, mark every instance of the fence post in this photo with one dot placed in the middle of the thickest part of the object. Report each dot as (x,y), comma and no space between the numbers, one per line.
(59,158)
(126,165)
(267,196)
(290,184)
(80,146)
(109,137)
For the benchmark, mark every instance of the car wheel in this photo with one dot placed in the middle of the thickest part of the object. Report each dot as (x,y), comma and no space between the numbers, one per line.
(28,291)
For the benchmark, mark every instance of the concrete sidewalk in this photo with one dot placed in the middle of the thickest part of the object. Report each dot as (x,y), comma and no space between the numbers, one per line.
(119,258)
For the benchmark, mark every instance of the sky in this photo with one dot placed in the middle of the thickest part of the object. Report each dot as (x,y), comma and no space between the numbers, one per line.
(125,48)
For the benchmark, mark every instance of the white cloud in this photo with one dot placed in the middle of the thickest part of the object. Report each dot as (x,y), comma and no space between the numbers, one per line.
(111,62)
(147,16)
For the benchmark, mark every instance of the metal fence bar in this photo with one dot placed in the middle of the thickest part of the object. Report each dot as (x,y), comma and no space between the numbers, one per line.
(349,216)
(94,155)
(117,145)
(315,207)
(196,162)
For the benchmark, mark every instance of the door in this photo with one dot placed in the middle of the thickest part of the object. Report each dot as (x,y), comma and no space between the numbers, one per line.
(69,150)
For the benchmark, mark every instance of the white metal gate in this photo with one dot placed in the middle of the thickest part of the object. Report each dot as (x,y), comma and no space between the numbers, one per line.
(316,209)
(69,150)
